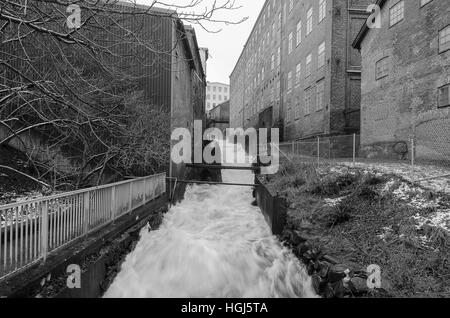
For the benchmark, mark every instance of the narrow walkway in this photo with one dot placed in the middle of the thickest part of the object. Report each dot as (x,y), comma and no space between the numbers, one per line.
(213,244)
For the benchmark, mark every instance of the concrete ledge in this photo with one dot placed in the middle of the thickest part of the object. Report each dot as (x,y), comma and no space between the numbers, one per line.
(273,207)
(25,283)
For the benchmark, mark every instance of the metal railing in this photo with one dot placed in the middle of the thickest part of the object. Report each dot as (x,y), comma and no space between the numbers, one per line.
(30,230)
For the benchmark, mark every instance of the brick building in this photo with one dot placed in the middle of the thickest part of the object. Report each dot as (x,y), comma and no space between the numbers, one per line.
(219,117)
(298,65)
(216,93)
(406,80)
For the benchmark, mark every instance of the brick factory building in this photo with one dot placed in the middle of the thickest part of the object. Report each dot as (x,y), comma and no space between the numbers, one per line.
(406,80)
(299,70)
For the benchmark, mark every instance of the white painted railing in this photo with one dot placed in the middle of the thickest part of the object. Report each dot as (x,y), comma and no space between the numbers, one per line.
(30,230)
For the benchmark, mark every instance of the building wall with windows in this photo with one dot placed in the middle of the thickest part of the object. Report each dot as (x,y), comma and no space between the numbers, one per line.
(307,70)
(216,94)
(255,81)
(405,74)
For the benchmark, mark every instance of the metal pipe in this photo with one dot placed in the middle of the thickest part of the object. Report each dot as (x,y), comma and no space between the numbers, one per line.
(217,167)
(216,183)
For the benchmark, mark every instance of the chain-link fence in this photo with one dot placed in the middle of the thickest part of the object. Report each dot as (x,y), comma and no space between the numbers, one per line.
(432,146)
(424,157)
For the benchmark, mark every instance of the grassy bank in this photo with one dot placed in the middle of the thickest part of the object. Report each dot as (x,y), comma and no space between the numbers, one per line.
(361,217)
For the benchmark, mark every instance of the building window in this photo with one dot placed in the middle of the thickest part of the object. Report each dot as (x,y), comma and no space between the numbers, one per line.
(444,96)
(297,108)
(290,43)
(320,98)
(298,72)
(308,65)
(321,55)
(444,39)
(289,82)
(307,101)
(277,92)
(299,32)
(382,68)
(322,10)
(289,112)
(309,15)
(397,13)
(279,56)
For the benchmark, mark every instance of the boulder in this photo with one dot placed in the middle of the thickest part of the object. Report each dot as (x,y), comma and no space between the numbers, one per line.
(297,238)
(358,286)
(337,273)
(335,290)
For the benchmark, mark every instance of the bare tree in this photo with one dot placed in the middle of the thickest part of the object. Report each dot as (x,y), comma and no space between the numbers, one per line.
(79,87)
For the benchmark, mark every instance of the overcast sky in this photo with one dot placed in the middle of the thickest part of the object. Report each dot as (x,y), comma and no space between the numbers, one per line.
(226,46)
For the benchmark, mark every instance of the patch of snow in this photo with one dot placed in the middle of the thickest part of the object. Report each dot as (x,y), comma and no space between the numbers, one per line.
(28,197)
(405,170)
(334,202)
(387,231)
(440,219)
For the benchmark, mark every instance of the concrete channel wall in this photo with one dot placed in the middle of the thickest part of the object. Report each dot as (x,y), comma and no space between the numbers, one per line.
(272,206)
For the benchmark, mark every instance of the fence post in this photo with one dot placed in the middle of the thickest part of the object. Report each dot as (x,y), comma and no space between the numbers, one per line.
(330,145)
(144,201)
(354,149)
(412,157)
(318,151)
(44,231)
(113,203)
(86,212)
(131,197)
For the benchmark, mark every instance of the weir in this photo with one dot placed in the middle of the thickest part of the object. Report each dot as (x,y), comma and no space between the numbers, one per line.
(214,243)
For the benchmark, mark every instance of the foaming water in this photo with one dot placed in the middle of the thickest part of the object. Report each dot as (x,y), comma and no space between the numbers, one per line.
(213,244)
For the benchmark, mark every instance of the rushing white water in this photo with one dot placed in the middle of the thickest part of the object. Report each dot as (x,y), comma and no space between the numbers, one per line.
(213,244)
